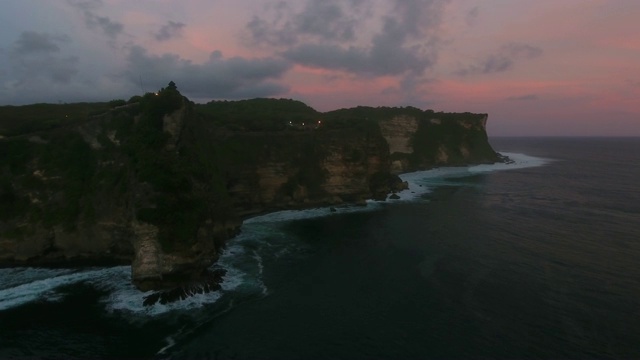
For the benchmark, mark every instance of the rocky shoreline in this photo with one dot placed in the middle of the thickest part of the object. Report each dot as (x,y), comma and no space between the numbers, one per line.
(208,281)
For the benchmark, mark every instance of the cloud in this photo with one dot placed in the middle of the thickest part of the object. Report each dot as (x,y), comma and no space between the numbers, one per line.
(57,69)
(527,97)
(382,58)
(261,32)
(633,83)
(325,19)
(35,57)
(472,16)
(504,59)
(409,91)
(34,42)
(329,35)
(109,27)
(216,78)
(85,5)
(169,31)
(329,20)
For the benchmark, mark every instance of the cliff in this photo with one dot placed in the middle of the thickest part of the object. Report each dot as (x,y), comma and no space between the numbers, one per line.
(161,182)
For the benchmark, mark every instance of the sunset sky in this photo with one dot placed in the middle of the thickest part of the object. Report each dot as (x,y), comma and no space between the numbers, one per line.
(550,67)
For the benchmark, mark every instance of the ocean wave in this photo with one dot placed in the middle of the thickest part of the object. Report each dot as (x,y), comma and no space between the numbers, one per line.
(123,297)
(35,284)
(518,161)
(12,277)
(29,285)
(421,182)
(290,215)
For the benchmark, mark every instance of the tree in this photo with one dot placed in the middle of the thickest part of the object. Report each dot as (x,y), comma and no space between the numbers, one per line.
(116,103)
(172,86)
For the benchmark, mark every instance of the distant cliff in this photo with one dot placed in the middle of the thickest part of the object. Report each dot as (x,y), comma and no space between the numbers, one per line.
(161,182)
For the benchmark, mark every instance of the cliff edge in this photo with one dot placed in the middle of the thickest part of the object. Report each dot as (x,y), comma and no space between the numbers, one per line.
(161,183)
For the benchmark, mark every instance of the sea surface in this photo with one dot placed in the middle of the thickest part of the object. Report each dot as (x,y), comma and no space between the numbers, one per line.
(535,259)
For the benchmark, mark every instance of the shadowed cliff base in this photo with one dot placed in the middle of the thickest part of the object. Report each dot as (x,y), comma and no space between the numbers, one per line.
(165,182)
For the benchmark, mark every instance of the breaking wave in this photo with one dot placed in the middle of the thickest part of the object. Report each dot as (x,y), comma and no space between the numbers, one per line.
(422,182)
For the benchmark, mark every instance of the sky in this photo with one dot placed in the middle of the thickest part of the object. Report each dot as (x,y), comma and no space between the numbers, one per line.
(550,67)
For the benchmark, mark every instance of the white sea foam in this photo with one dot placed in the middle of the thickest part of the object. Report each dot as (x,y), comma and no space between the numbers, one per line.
(122,295)
(234,276)
(129,300)
(258,259)
(518,161)
(421,182)
(12,277)
(171,342)
(289,215)
(40,289)
(243,264)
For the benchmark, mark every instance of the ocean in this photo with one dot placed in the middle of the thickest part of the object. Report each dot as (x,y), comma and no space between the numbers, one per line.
(533,259)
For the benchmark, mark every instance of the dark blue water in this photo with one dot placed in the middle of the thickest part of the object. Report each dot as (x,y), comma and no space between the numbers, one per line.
(538,259)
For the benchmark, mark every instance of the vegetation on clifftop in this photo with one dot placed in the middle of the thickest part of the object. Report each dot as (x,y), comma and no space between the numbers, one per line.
(257,114)
(22,120)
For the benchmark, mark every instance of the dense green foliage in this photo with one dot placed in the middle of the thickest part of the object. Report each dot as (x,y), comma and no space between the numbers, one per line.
(429,138)
(374,114)
(155,105)
(66,162)
(62,173)
(365,117)
(17,120)
(451,135)
(117,103)
(258,114)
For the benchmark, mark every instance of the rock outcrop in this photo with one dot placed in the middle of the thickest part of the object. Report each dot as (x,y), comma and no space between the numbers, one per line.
(308,168)
(398,132)
(420,142)
(162,183)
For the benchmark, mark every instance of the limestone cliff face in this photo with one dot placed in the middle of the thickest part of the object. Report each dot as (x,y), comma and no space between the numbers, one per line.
(154,267)
(307,168)
(161,186)
(100,243)
(114,189)
(437,139)
(46,217)
(352,161)
(398,131)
